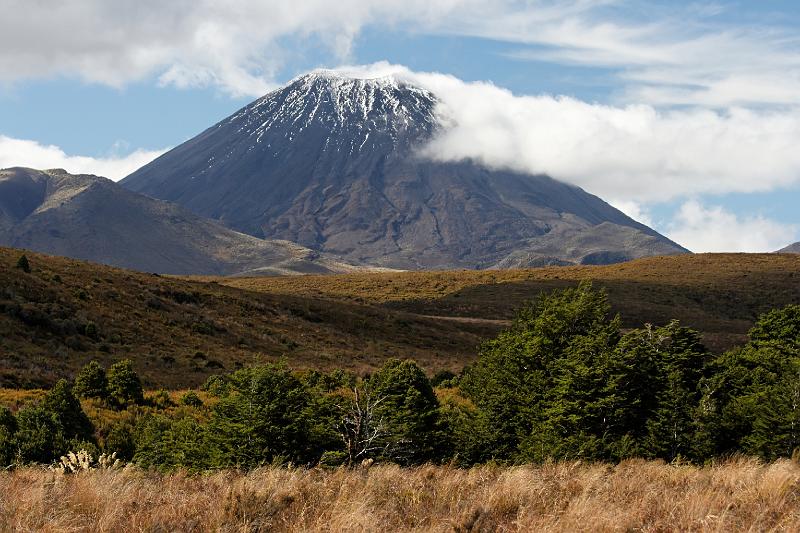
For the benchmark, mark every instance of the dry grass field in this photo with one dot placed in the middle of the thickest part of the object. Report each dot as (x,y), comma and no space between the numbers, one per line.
(738,495)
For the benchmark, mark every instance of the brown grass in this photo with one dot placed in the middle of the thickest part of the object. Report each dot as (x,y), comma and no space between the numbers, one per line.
(178,331)
(718,294)
(739,495)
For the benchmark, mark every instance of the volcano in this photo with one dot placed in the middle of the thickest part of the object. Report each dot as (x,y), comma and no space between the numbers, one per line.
(334,164)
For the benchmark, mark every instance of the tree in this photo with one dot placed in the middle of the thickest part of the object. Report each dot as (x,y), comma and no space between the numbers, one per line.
(91,382)
(166,444)
(191,399)
(363,431)
(659,371)
(40,436)
(124,385)
(779,328)
(262,418)
(751,399)
(75,426)
(23,263)
(522,378)
(408,406)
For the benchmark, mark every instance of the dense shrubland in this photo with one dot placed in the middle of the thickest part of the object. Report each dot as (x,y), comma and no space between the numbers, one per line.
(564,382)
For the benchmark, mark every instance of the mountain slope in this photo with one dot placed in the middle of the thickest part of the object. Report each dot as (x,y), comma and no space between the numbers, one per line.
(791,249)
(332,163)
(89,217)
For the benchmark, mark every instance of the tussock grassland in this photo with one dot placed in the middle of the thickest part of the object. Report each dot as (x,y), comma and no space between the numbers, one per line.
(718,294)
(738,495)
(178,333)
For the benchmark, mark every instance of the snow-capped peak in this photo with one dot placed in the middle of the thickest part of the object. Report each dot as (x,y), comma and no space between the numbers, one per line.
(347,107)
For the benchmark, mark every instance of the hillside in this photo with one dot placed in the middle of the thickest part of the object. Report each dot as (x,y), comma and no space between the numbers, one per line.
(791,249)
(332,163)
(181,331)
(66,312)
(718,294)
(93,218)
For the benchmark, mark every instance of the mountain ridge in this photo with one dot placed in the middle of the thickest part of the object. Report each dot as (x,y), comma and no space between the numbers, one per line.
(92,218)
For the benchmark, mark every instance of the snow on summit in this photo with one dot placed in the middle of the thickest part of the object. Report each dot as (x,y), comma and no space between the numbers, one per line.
(346,106)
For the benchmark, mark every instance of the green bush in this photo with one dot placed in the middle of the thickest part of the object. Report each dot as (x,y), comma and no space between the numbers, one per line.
(333,459)
(191,399)
(8,426)
(161,400)
(166,444)
(91,382)
(23,263)
(39,437)
(90,330)
(124,385)
(75,425)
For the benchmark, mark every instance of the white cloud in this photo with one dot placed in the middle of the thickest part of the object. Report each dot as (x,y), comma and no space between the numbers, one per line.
(714,229)
(635,210)
(25,153)
(631,153)
(661,55)
(233,45)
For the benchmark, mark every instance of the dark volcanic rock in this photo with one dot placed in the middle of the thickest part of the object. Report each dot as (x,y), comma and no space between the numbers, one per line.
(332,163)
(93,218)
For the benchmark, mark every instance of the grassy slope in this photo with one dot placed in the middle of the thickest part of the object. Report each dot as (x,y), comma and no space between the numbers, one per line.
(719,294)
(180,331)
(740,495)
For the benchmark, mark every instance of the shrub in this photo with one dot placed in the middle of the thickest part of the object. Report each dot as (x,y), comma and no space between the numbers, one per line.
(191,399)
(161,400)
(166,444)
(444,378)
(333,458)
(124,385)
(39,437)
(23,263)
(91,382)
(8,426)
(90,330)
(74,424)
(121,440)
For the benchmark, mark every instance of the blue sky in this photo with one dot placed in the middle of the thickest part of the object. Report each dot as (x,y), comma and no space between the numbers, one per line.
(684,114)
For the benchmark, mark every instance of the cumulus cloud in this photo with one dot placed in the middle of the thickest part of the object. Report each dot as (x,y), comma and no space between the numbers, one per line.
(714,229)
(630,153)
(26,153)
